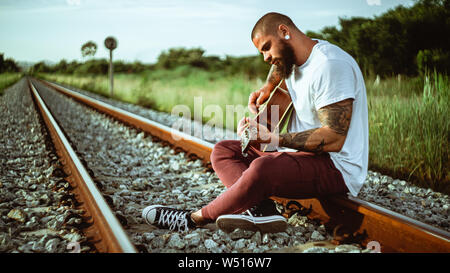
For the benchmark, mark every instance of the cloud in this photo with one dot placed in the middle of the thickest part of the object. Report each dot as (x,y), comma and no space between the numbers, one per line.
(373,2)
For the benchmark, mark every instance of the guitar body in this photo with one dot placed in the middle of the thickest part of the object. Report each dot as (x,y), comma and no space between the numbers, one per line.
(273,113)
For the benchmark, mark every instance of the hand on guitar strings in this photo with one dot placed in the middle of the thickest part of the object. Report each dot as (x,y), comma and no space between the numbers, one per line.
(258,132)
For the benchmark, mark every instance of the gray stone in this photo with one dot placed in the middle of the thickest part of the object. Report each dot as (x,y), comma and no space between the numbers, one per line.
(346,248)
(52,245)
(265,238)
(257,238)
(158,242)
(210,244)
(251,246)
(5,242)
(280,240)
(316,236)
(176,242)
(240,244)
(316,250)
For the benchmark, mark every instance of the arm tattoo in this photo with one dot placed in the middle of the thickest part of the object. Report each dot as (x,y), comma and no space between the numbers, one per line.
(337,116)
(299,141)
(275,75)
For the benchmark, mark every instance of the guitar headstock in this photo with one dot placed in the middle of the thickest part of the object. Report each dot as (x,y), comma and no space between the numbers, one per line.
(247,135)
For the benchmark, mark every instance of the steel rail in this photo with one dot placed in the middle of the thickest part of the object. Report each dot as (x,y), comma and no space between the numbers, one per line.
(105,233)
(366,221)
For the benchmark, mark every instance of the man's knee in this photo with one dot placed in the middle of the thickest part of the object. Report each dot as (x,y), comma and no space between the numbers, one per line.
(224,149)
(258,179)
(261,168)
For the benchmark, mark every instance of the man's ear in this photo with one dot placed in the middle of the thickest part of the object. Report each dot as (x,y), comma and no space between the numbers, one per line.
(283,30)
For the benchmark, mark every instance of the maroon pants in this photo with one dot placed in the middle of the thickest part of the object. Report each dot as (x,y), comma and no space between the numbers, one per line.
(252,179)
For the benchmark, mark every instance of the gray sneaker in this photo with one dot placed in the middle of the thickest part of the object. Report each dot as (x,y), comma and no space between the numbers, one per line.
(264,218)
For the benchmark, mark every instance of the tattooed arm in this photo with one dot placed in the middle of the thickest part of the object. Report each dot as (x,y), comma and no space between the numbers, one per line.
(259,96)
(335,119)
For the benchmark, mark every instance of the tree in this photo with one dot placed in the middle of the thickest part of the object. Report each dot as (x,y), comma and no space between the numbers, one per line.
(436,59)
(89,49)
(61,67)
(40,67)
(175,57)
(8,65)
(391,42)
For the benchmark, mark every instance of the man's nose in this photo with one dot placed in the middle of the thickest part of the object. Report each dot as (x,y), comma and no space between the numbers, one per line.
(267,57)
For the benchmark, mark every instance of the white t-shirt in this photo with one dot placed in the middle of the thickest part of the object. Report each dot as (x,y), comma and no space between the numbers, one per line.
(328,76)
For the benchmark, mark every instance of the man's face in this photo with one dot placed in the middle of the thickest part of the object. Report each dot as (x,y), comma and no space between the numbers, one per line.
(276,51)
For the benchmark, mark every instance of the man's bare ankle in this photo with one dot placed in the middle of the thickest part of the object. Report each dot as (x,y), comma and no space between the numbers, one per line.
(199,220)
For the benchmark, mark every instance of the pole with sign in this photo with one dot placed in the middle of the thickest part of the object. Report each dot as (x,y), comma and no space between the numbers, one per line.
(111,44)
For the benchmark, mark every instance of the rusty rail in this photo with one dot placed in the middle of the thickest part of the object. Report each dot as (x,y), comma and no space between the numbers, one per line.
(104,231)
(358,220)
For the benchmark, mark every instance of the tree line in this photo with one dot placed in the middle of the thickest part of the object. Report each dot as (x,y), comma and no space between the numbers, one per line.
(400,41)
(252,66)
(403,40)
(8,65)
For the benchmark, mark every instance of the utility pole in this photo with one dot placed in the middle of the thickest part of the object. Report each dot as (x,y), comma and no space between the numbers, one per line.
(111,44)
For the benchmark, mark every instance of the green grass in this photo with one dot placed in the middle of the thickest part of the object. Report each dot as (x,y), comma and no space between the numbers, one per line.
(408,123)
(8,79)
(409,130)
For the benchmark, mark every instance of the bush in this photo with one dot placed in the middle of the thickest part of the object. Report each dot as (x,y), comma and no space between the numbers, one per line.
(435,59)
(8,65)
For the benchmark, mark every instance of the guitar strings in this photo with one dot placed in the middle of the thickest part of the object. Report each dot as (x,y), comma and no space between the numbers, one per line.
(265,106)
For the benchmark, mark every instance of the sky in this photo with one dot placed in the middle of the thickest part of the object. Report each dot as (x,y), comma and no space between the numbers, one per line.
(35,30)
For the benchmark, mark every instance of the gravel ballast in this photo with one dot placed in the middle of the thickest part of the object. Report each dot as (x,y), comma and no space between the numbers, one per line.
(35,213)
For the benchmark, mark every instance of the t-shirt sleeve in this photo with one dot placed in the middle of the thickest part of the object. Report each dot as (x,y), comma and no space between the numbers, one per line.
(334,81)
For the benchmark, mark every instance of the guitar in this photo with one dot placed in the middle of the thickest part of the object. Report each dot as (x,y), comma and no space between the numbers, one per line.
(274,114)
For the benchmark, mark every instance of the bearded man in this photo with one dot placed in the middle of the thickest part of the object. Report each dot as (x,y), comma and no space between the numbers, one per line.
(327,135)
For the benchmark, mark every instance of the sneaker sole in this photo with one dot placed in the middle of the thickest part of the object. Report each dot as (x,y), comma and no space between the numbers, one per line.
(268,224)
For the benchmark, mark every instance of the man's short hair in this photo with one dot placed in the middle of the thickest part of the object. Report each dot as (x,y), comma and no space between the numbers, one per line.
(268,24)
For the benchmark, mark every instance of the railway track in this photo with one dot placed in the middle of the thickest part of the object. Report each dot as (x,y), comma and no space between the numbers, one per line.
(105,230)
(349,219)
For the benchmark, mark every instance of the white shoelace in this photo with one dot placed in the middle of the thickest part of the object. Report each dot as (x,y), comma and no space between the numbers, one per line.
(174,219)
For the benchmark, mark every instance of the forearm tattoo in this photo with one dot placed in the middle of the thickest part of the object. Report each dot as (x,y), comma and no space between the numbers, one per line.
(302,141)
(336,116)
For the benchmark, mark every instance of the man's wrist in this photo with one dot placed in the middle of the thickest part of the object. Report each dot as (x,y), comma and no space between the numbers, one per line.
(277,140)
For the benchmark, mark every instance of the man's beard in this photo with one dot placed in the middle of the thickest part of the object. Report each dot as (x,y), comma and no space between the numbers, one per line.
(287,60)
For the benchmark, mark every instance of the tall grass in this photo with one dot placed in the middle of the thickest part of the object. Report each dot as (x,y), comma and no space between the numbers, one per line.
(8,79)
(408,122)
(408,134)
